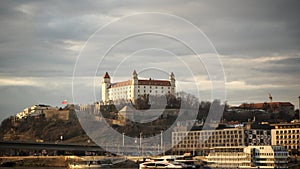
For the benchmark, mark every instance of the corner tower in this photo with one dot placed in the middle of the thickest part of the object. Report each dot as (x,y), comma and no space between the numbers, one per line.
(172,81)
(105,86)
(134,86)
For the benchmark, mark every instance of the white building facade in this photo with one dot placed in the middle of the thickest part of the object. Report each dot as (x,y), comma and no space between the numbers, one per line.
(248,157)
(286,134)
(34,110)
(130,90)
(202,140)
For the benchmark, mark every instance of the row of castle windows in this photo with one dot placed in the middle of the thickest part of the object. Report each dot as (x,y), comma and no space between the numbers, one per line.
(151,91)
(117,92)
(129,87)
(155,87)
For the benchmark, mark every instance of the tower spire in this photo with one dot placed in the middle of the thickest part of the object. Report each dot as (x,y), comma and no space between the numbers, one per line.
(134,74)
(106,75)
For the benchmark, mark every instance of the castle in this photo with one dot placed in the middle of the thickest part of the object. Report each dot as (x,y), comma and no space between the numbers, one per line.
(132,89)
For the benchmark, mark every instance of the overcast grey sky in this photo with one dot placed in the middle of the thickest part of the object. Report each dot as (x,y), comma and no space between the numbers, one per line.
(257,41)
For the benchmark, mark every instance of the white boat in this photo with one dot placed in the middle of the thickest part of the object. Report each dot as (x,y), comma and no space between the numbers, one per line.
(162,165)
(170,162)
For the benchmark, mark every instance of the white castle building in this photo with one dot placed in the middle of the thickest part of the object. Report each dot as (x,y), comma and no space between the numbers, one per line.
(130,90)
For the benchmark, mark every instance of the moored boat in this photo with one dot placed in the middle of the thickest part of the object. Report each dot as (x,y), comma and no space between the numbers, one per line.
(162,165)
(169,162)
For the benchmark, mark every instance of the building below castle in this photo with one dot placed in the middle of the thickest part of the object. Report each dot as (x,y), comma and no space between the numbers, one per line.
(130,90)
(270,106)
(248,157)
(200,141)
(287,135)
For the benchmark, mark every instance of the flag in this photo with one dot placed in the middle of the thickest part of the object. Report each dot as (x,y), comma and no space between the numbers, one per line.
(270,97)
(64,102)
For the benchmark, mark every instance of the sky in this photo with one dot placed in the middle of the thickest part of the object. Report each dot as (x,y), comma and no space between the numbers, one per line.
(52,51)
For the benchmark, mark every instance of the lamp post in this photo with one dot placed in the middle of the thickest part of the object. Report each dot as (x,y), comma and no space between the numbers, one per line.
(161,140)
(141,143)
(299,107)
(123,141)
(140,139)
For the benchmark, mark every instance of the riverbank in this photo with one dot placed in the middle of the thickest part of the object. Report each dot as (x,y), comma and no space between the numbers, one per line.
(37,161)
(61,161)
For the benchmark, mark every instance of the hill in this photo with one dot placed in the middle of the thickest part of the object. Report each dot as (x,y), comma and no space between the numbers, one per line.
(41,129)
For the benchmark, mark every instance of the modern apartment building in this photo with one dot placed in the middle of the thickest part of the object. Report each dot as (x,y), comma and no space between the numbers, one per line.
(248,157)
(199,142)
(287,135)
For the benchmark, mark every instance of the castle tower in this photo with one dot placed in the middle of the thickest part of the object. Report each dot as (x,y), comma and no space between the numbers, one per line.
(172,81)
(105,85)
(134,77)
(134,86)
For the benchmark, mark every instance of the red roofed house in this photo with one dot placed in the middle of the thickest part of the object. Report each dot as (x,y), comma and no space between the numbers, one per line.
(131,89)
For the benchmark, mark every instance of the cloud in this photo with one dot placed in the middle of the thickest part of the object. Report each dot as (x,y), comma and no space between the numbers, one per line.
(241,85)
(17,82)
(258,42)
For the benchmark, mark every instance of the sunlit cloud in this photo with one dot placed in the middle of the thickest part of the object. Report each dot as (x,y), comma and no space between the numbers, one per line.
(17,82)
(242,85)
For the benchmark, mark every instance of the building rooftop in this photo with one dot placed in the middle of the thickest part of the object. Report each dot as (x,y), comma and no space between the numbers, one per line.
(119,84)
(263,105)
(154,82)
(149,82)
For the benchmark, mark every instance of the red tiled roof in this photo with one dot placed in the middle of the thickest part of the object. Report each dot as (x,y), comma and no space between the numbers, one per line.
(119,84)
(155,82)
(261,105)
(143,82)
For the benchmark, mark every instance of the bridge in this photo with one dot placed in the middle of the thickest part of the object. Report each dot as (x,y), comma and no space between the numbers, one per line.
(13,148)
(49,146)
